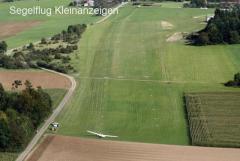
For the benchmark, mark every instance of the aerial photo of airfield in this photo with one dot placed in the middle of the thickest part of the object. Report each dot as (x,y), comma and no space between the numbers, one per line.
(112,80)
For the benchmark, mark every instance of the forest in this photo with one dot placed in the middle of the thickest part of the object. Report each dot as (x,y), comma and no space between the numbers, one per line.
(223,28)
(21,112)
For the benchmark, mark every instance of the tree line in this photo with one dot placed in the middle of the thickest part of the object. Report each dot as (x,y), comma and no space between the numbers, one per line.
(20,115)
(55,58)
(223,28)
(3,47)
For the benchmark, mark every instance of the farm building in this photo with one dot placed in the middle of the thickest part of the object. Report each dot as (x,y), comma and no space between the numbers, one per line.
(97,3)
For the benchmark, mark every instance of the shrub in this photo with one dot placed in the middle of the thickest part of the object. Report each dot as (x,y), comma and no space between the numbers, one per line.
(3,47)
(43,41)
(235,82)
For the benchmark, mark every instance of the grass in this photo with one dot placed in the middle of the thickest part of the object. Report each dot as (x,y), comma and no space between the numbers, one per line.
(56,95)
(214,118)
(49,24)
(131,81)
(8,156)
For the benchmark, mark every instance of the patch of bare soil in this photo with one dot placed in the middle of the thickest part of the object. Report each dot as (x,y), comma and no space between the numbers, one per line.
(175,37)
(166,25)
(38,151)
(8,29)
(64,148)
(37,78)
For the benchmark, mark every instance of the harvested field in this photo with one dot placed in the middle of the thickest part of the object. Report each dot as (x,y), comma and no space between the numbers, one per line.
(175,37)
(63,148)
(166,25)
(8,29)
(214,118)
(38,78)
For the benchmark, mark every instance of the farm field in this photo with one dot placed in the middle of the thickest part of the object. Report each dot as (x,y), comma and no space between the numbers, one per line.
(33,28)
(214,118)
(41,78)
(79,149)
(131,80)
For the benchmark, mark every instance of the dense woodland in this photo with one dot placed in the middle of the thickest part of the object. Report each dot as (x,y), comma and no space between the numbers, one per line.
(224,28)
(52,54)
(20,115)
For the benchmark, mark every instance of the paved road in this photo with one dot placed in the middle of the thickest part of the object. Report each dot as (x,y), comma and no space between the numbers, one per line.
(114,10)
(55,113)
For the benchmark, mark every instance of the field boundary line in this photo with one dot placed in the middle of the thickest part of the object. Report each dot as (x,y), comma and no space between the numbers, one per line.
(147,80)
(54,114)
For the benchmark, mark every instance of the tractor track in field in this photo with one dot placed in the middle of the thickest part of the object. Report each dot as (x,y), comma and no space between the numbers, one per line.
(146,80)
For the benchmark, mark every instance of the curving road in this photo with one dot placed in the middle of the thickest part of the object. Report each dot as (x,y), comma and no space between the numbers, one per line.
(55,113)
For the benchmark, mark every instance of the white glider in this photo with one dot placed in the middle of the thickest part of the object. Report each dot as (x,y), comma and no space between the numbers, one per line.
(101,135)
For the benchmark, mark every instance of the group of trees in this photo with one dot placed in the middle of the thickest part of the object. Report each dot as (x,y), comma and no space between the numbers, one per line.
(56,58)
(196,4)
(72,35)
(235,82)
(20,115)
(202,3)
(224,28)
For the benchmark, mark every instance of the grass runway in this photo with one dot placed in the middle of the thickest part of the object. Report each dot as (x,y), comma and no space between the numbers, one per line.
(131,81)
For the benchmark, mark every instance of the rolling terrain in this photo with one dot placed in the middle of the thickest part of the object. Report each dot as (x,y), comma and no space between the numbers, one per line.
(131,80)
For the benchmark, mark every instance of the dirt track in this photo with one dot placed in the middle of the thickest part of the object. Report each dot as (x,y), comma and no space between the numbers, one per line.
(38,78)
(64,148)
(8,29)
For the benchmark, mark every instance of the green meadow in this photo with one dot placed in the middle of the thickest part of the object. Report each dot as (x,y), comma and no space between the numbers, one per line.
(48,26)
(131,81)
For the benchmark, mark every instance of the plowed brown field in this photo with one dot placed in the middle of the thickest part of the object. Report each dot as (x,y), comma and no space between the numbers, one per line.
(64,148)
(8,29)
(38,78)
